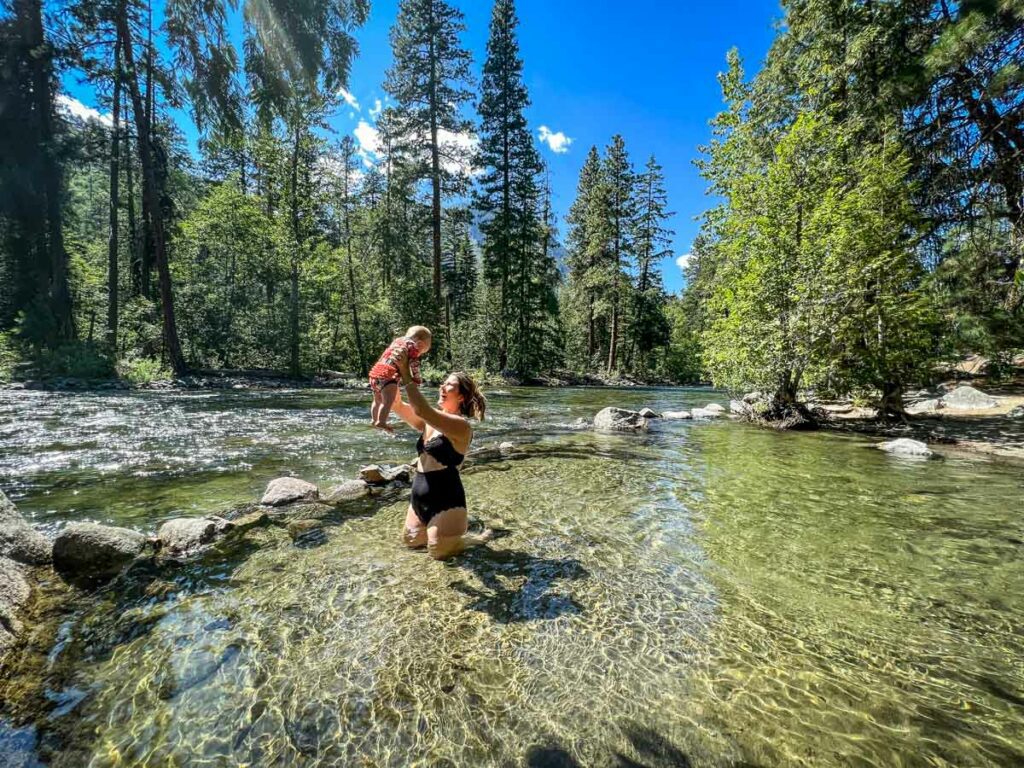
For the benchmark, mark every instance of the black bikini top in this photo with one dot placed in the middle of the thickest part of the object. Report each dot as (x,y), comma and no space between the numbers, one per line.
(441,448)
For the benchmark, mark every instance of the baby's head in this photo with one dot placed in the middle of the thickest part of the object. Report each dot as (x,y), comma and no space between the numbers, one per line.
(422,336)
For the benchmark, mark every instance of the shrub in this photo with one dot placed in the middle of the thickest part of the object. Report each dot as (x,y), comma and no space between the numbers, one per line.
(141,370)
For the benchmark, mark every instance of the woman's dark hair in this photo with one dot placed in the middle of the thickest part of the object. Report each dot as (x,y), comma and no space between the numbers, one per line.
(473,402)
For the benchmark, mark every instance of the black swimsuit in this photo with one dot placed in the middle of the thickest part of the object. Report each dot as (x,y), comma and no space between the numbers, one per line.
(436,491)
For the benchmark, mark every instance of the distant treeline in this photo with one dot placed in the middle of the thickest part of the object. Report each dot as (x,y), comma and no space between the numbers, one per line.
(279,247)
(869,182)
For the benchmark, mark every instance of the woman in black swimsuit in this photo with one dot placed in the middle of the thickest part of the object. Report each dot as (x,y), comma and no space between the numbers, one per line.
(437,510)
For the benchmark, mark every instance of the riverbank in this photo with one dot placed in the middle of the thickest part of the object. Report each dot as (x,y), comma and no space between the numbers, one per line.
(996,430)
(257,379)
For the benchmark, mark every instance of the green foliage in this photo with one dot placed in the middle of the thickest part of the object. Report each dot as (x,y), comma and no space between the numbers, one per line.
(142,370)
(10,356)
(77,360)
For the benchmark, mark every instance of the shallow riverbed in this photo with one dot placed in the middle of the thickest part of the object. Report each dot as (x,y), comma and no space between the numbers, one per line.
(706,592)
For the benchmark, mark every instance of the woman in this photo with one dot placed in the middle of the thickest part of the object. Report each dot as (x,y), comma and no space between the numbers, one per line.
(437,510)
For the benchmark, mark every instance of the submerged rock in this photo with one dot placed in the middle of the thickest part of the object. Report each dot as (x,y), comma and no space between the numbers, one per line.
(87,551)
(677,415)
(705,413)
(19,540)
(288,490)
(350,490)
(1017,413)
(648,413)
(184,534)
(619,420)
(906,447)
(14,593)
(968,399)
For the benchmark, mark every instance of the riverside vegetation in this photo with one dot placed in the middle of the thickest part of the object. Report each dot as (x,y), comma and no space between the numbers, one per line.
(868,215)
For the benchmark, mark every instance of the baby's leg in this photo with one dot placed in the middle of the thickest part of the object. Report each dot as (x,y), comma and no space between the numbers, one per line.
(388,393)
(375,407)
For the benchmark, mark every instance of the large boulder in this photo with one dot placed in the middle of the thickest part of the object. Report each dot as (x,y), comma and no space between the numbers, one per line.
(619,420)
(906,447)
(968,399)
(91,552)
(185,534)
(19,540)
(288,490)
(14,593)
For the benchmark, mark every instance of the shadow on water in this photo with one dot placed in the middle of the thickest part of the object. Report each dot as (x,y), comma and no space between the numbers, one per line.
(519,586)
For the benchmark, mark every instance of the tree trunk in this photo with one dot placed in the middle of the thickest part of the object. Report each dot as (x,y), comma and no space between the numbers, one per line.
(115,179)
(134,250)
(353,303)
(151,199)
(891,404)
(30,19)
(293,298)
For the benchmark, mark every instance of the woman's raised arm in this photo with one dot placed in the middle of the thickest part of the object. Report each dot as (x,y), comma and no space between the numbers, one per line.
(455,427)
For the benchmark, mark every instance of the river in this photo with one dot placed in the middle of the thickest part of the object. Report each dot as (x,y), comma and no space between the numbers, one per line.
(706,593)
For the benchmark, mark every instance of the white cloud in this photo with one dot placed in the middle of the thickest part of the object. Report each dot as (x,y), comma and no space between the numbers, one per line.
(376,109)
(456,148)
(69,105)
(557,142)
(368,139)
(684,261)
(349,99)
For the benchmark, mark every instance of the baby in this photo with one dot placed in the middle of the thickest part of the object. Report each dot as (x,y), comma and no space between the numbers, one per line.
(384,375)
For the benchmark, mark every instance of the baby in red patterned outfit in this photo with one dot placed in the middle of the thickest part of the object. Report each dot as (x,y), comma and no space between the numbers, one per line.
(384,375)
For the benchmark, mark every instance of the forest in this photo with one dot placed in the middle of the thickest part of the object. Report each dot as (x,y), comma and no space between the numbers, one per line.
(864,221)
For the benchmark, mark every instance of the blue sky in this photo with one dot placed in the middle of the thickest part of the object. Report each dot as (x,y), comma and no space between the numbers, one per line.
(645,69)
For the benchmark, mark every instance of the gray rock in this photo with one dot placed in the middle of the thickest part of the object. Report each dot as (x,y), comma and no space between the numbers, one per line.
(253,519)
(905,447)
(619,420)
(752,397)
(739,406)
(676,415)
(714,407)
(400,474)
(968,399)
(288,490)
(925,406)
(506,447)
(185,534)
(87,551)
(14,593)
(648,413)
(350,490)
(19,540)
(705,413)
(1016,413)
(372,474)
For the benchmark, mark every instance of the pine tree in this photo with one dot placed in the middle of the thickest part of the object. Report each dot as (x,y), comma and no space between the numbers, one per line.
(648,327)
(621,210)
(580,297)
(510,162)
(428,81)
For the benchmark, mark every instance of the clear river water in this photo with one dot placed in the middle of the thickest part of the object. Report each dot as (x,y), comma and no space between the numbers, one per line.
(705,594)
